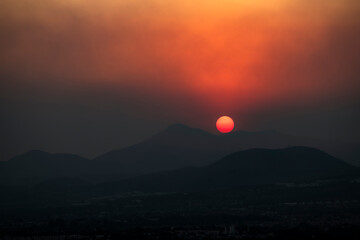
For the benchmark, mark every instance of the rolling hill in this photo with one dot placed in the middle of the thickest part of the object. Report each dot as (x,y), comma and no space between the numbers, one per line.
(248,167)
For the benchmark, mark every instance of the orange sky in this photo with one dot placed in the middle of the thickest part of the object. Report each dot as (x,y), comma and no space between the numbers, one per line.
(204,57)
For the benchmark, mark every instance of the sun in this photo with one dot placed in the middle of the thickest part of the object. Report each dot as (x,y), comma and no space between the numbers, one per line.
(225,124)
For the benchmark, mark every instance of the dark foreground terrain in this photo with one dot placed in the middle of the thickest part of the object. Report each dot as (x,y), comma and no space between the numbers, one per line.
(316,210)
(291,193)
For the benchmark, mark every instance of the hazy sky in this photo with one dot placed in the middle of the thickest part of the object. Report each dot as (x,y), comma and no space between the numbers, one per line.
(87,76)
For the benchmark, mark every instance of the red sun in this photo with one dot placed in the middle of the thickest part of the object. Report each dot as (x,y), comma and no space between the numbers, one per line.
(225,124)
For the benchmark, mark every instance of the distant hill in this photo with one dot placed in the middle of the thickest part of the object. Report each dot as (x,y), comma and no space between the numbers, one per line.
(36,166)
(179,146)
(175,147)
(249,167)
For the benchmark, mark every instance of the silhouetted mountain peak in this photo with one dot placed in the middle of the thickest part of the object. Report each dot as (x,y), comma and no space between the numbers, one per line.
(36,152)
(177,129)
(182,127)
(178,126)
(32,154)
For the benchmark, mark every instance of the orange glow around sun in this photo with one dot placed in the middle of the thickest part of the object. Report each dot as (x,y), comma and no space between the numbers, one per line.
(183,58)
(225,124)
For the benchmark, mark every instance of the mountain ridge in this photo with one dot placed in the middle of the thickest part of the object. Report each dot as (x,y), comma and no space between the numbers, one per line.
(175,147)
